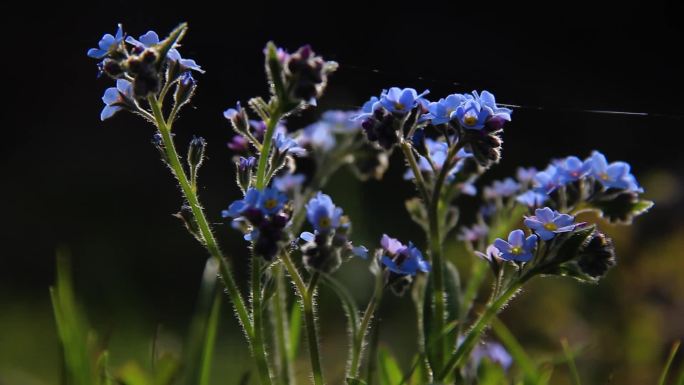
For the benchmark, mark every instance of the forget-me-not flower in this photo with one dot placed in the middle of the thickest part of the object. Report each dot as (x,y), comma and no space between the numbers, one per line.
(288,182)
(284,144)
(444,110)
(501,189)
(271,200)
(238,207)
(547,223)
(518,248)
(115,98)
(106,44)
(401,101)
(322,213)
(613,175)
(403,260)
(532,198)
(151,39)
(572,168)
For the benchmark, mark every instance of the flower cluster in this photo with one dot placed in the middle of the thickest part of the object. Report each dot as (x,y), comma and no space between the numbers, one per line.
(475,118)
(401,263)
(262,215)
(143,67)
(329,244)
(298,77)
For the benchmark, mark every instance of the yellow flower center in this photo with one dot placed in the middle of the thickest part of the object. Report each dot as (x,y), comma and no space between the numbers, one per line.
(270,204)
(604,176)
(469,120)
(398,106)
(550,226)
(516,250)
(324,222)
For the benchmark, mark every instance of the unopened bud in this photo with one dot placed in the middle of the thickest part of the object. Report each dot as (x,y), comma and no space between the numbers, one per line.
(185,89)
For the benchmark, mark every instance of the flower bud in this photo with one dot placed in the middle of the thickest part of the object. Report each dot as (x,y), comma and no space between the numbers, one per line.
(245,166)
(196,152)
(597,255)
(185,89)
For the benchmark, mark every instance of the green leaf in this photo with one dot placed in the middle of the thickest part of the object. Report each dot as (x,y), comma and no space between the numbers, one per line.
(390,373)
(622,208)
(72,327)
(200,328)
(210,340)
(516,351)
(102,369)
(348,302)
(166,370)
(295,331)
(355,381)
(570,357)
(132,374)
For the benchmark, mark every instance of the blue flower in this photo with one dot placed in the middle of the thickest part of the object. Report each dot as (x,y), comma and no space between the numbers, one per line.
(106,44)
(499,115)
(525,175)
(482,110)
(492,351)
(471,115)
(237,208)
(368,108)
(547,223)
(444,110)
(285,144)
(403,260)
(115,98)
(288,182)
(245,164)
(360,251)
(151,39)
(614,175)
(572,168)
(322,213)
(400,101)
(548,180)
(517,248)
(271,200)
(501,189)
(490,255)
(532,198)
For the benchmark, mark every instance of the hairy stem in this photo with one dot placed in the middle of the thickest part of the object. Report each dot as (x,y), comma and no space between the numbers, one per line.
(359,338)
(203,225)
(306,295)
(258,344)
(266,149)
(459,357)
(281,327)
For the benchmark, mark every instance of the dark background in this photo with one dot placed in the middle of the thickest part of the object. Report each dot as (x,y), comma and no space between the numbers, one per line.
(98,188)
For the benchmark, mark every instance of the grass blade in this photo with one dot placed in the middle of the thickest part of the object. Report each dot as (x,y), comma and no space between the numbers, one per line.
(516,350)
(210,341)
(570,357)
(670,358)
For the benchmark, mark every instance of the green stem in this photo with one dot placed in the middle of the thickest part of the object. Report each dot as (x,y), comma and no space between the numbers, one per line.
(281,327)
(411,159)
(203,225)
(311,332)
(358,339)
(266,149)
(257,312)
(306,294)
(463,352)
(435,237)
